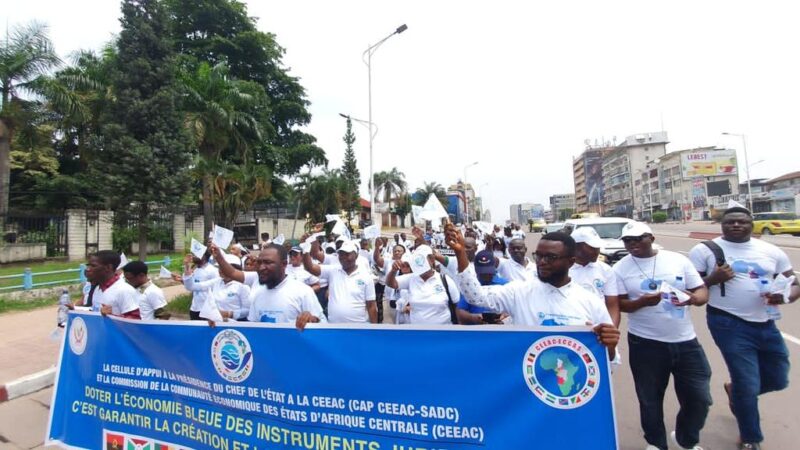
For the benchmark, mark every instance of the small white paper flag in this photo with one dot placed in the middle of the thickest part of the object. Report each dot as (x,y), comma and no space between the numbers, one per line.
(164,273)
(419,264)
(305,247)
(331,217)
(209,310)
(735,204)
(198,249)
(372,232)
(222,237)
(123,261)
(279,239)
(314,237)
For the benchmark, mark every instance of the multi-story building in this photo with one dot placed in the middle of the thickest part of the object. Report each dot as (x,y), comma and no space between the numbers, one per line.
(513,213)
(624,163)
(587,176)
(784,192)
(687,184)
(561,205)
(523,212)
(467,196)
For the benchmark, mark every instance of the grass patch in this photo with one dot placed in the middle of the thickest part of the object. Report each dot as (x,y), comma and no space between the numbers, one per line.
(179,306)
(8,305)
(70,277)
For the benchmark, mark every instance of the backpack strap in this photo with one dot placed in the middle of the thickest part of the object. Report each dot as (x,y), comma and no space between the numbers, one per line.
(450,305)
(90,297)
(719,256)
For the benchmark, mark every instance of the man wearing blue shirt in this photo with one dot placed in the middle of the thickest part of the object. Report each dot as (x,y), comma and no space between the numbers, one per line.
(487,275)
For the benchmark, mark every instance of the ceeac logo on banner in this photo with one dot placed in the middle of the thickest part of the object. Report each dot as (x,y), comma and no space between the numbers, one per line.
(232,355)
(78,335)
(561,372)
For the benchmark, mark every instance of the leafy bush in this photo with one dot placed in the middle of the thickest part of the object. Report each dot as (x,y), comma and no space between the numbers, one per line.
(659,217)
(48,236)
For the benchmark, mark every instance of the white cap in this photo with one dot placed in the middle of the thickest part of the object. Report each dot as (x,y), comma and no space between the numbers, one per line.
(588,236)
(341,238)
(635,229)
(348,247)
(232,259)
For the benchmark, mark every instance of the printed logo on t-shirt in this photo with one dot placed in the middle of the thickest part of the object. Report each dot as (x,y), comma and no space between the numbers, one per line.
(598,283)
(554,320)
(270,316)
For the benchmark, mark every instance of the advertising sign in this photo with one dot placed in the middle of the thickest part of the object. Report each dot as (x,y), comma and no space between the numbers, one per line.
(708,163)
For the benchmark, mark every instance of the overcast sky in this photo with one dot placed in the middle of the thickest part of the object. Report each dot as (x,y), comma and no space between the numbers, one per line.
(519,86)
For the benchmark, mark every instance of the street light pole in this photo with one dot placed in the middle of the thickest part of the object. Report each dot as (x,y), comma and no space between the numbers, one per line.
(747,169)
(466,206)
(368,61)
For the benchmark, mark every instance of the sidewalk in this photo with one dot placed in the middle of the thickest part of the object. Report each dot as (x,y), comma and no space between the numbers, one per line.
(30,352)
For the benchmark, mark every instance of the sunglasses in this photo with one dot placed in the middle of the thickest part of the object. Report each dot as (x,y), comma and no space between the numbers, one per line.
(547,258)
(632,239)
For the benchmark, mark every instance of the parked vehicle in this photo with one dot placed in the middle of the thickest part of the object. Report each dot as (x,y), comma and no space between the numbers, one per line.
(537,225)
(776,223)
(551,227)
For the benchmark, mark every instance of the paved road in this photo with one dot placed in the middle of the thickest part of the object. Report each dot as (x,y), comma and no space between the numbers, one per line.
(23,421)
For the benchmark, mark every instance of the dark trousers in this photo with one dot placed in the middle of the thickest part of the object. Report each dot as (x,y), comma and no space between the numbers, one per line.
(758,362)
(194,315)
(379,288)
(652,363)
(322,296)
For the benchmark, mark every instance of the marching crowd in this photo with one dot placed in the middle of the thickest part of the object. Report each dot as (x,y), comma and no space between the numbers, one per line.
(472,276)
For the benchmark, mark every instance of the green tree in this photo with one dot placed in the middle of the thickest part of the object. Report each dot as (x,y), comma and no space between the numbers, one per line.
(26,57)
(350,173)
(238,187)
(389,184)
(142,151)
(402,207)
(218,116)
(322,194)
(421,194)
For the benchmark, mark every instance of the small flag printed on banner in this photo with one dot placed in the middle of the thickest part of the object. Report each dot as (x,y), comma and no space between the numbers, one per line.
(587,357)
(114,441)
(138,444)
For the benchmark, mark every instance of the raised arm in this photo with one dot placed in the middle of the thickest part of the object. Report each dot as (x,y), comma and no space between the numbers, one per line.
(224,266)
(308,264)
(377,254)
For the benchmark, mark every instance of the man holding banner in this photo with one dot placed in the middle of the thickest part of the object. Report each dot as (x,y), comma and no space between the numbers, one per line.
(551,299)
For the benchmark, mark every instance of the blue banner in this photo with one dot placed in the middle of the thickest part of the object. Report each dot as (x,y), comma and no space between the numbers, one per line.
(175,385)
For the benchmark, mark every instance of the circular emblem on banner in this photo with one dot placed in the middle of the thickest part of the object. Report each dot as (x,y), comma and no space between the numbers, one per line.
(78,335)
(561,372)
(232,356)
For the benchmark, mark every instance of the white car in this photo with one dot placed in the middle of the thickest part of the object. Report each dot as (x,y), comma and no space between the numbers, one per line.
(610,230)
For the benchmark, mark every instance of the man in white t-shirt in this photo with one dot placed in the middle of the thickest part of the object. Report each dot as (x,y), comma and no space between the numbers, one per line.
(275,297)
(549,299)
(295,270)
(351,289)
(596,276)
(661,338)
(518,267)
(109,294)
(750,342)
(151,297)
(429,292)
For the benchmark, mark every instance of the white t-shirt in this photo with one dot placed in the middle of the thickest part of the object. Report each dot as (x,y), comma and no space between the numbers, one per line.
(518,234)
(596,277)
(333,260)
(663,322)
(231,296)
(536,303)
(348,294)
(151,297)
(122,297)
(514,271)
(752,262)
(300,274)
(207,272)
(283,303)
(428,298)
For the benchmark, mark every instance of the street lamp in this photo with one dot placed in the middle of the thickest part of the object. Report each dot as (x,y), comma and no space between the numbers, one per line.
(368,61)
(747,168)
(466,206)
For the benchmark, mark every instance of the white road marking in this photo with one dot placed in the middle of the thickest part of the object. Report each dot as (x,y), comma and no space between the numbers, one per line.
(790,338)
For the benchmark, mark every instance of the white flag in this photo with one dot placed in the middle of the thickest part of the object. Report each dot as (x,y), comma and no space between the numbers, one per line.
(222,237)
(123,261)
(372,232)
(433,209)
(331,217)
(209,310)
(735,204)
(314,237)
(279,239)
(164,273)
(198,249)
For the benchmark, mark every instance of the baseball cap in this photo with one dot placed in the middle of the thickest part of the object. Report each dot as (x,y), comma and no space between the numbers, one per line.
(588,236)
(635,229)
(341,239)
(484,262)
(348,247)
(296,249)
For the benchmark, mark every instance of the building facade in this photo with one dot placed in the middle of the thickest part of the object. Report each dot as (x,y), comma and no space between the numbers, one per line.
(628,161)
(587,176)
(561,206)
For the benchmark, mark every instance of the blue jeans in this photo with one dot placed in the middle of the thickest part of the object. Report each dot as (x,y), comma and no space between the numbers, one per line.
(652,363)
(757,361)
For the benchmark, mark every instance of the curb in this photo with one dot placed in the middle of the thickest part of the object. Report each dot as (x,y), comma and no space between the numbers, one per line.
(27,384)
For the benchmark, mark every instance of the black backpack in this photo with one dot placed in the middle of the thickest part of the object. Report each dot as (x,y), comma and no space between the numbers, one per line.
(719,256)
(450,304)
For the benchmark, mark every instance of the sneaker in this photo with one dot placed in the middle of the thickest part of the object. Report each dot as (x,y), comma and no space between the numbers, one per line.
(749,446)
(675,441)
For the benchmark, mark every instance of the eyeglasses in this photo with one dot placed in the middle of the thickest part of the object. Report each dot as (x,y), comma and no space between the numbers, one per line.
(548,258)
(632,239)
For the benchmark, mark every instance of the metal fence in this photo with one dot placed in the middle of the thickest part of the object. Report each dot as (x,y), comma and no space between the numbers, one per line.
(36,227)
(71,276)
(160,224)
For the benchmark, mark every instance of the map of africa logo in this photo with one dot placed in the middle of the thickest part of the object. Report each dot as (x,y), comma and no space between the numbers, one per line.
(561,372)
(232,356)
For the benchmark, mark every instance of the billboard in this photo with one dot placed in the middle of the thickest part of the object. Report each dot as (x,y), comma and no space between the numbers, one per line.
(708,163)
(594,177)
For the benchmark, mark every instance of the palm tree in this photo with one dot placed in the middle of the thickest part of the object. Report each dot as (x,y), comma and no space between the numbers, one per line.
(26,56)
(391,184)
(322,194)
(238,187)
(422,194)
(218,116)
